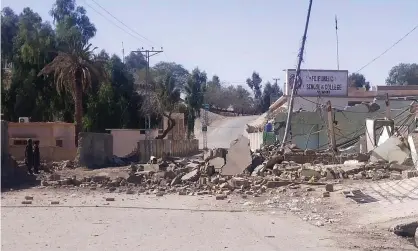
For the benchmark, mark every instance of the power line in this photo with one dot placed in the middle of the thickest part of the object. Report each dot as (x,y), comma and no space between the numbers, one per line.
(91,7)
(388,49)
(152,42)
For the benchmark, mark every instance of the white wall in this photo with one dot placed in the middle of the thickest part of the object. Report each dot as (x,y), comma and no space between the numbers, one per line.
(126,140)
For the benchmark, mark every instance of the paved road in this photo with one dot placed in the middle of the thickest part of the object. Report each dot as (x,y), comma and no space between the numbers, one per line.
(134,222)
(222,132)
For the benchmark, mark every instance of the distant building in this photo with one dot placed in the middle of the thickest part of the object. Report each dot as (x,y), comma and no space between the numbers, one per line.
(56,139)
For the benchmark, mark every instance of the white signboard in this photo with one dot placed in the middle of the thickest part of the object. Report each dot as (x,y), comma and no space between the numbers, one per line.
(318,82)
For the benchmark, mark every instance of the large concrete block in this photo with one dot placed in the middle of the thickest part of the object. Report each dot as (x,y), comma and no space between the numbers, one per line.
(94,149)
(413,146)
(392,150)
(238,157)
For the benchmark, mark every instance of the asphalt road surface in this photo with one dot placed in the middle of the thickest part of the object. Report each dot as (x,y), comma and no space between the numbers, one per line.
(137,222)
(222,132)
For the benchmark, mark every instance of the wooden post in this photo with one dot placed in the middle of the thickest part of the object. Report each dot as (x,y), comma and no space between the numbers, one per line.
(331,133)
(387,106)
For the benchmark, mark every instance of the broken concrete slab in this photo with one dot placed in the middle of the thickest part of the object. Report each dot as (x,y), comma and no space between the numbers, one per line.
(218,163)
(393,150)
(413,146)
(191,176)
(275,184)
(238,182)
(238,157)
(405,229)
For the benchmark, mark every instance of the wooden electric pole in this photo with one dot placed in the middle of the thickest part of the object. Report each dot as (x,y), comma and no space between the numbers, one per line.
(147,54)
(275,80)
(331,130)
(297,81)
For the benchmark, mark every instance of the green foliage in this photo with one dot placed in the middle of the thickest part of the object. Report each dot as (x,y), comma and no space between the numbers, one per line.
(357,80)
(403,74)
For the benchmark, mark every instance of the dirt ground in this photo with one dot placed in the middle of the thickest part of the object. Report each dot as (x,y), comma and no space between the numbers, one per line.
(302,218)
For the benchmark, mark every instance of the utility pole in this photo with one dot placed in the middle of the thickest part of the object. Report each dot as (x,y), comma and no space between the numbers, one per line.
(387,103)
(336,36)
(331,131)
(275,80)
(123,53)
(147,54)
(297,81)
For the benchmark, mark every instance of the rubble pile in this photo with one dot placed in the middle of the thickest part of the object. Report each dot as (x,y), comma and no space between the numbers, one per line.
(265,170)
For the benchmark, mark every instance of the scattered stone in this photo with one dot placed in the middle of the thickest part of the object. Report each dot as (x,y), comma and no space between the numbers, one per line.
(221,197)
(159,193)
(409,174)
(112,189)
(238,182)
(130,191)
(110,199)
(405,229)
(191,176)
(395,176)
(275,184)
(325,194)
(310,189)
(329,187)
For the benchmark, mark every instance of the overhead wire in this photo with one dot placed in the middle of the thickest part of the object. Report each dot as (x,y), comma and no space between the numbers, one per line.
(122,23)
(388,49)
(112,22)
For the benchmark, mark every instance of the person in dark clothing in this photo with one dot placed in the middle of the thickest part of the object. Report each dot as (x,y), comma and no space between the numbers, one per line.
(36,157)
(29,156)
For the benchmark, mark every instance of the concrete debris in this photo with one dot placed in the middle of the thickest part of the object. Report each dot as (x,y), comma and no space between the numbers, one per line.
(110,199)
(28,197)
(238,158)
(26,202)
(55,202)
(405,229)
(413,146)
(221,197)
(270,170)
(329,187)
(393,150)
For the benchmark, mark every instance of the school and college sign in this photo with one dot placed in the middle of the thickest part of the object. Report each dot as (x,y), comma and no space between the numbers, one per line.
(318,82)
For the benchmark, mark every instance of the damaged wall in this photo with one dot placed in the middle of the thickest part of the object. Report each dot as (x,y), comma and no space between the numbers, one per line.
(94,149)
(350,123)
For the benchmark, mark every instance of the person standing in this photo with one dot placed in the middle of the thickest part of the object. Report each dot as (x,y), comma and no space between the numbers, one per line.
(29,156)
(36,157)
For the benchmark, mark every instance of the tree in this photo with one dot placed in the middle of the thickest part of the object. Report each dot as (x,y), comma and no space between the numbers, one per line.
(135,61)
(161,98)
(270,91)
(74,72)
(194,90)
(357,80)
(215,82)
(9,29)
(255,84)
(403,74)
(72,22)
(175,70)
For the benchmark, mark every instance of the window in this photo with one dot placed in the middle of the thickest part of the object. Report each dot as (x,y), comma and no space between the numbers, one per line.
(23,142)
(58,142)
(20,142)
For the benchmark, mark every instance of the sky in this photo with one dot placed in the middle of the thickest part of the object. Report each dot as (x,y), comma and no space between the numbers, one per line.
(233,38)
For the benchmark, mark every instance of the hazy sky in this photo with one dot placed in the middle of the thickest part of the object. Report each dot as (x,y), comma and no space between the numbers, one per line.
(232,38)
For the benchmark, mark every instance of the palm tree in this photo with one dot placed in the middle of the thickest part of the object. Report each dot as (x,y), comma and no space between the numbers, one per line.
(74,71)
